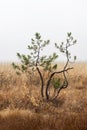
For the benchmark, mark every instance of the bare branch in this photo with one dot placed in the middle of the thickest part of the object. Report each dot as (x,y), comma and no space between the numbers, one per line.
(48,82)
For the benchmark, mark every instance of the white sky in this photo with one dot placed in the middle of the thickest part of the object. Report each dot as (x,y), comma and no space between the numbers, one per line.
(20,19)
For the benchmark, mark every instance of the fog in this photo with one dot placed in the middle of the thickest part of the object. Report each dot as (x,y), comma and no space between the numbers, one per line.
(21,19)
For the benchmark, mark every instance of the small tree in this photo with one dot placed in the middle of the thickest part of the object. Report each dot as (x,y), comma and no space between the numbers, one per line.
(35,61)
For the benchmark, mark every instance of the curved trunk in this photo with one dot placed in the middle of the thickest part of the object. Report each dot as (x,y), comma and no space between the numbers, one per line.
(49,81)
(42,82)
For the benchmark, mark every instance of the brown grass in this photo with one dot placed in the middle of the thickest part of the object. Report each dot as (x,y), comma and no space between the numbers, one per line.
(21,107)
(26,120)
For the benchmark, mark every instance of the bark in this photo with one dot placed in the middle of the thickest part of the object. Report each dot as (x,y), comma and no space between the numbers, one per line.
(42,82)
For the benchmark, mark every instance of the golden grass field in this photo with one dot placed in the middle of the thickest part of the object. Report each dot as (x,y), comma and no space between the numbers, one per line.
(21,107)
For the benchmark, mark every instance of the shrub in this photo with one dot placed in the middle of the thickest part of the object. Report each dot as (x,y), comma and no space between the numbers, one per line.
(35,61)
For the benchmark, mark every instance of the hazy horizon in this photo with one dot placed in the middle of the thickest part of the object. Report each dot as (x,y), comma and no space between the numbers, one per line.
(21,19)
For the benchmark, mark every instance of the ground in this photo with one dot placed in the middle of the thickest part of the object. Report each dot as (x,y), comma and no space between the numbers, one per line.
(22,108)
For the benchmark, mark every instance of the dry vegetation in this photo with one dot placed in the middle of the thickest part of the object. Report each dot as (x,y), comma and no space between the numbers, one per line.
(21,107)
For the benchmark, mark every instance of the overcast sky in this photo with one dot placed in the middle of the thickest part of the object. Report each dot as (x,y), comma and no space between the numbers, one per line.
(20,19)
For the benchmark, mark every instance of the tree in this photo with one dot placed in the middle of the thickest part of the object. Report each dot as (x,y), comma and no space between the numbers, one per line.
(35,61)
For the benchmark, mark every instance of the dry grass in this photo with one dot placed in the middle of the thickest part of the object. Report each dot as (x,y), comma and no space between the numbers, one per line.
(21,107)
(26,120)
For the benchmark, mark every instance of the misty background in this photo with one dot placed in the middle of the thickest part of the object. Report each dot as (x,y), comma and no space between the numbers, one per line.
(21,19)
